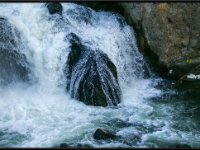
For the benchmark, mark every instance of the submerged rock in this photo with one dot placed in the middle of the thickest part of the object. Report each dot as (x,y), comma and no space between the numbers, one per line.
(183,146)
(118,123)
(65,145)
(91,76)
(54,7)
(13,63)
(103,135)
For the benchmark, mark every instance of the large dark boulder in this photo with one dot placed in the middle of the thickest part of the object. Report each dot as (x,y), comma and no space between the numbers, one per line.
(91,76)
(13,64)
(54,7)
(169,32)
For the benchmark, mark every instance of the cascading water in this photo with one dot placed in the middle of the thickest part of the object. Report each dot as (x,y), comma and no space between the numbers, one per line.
(41,114)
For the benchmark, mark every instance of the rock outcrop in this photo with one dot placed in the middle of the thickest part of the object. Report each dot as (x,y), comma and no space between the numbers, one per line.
(13,64)
(169,30)
(103,135)
(91,76)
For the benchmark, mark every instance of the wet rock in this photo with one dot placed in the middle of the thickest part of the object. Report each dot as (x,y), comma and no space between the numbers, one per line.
(103,135)
(182,146)
(54,7)
(91,76)
(168,30)
(13,64)
(82,146)
(64,145)
(186,146)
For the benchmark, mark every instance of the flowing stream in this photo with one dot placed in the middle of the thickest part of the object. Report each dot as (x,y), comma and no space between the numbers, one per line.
(39,112)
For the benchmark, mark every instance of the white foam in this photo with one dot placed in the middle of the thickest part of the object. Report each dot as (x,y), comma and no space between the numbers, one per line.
(192,76)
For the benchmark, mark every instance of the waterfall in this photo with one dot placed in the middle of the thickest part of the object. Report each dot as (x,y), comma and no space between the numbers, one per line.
(47,46)
(39,112)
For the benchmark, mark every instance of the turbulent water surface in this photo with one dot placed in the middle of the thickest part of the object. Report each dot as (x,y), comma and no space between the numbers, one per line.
(39,113)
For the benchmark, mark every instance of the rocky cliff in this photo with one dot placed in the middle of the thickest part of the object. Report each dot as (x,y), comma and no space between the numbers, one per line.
(170,30)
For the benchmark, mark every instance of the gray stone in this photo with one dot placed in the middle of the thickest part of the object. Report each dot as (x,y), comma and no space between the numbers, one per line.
(170,30)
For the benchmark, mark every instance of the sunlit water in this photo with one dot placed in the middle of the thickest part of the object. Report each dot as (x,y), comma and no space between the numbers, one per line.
(42,114)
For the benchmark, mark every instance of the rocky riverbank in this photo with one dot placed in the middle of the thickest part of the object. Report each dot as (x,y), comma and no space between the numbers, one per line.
(169,30)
